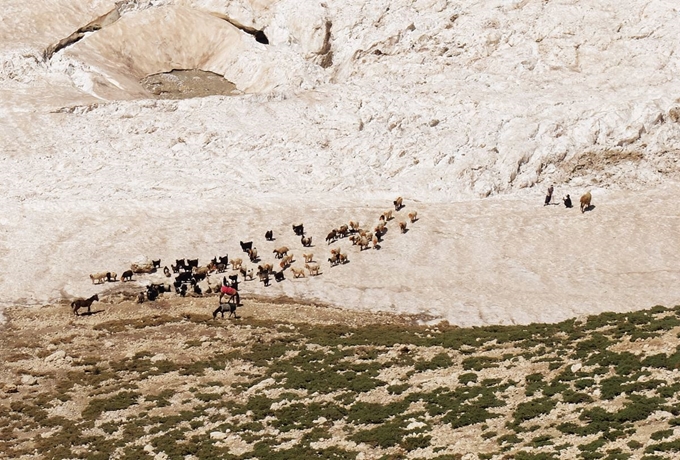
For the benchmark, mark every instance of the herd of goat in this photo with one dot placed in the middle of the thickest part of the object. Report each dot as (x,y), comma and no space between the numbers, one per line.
(188,273)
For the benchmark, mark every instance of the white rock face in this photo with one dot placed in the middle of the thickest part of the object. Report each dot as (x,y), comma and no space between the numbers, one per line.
(348,106)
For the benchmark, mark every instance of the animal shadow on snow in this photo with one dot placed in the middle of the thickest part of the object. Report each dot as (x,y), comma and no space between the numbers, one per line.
(93,312)
(589,208)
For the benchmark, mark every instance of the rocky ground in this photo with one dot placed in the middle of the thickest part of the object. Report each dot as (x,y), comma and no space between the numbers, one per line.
(286,380)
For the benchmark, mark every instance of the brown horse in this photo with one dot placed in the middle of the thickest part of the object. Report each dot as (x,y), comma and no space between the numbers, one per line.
(83,303)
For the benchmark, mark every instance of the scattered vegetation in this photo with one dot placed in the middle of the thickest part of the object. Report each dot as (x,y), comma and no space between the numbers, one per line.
(578,389)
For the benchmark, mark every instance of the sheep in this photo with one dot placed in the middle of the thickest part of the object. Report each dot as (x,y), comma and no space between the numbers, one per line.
(246,246)
(269,235)
(286,261)
(142,268)
(306,241)
(252,253)
(268,268)
(298,272)
(278,276)
(335,251)
(354,239)
(192,263)
(236,263)
(402,227)
(200,273)
(280,252)
(363,243)
(79,303)
(332,236)
(398,203)
(413,216)
(386,216)
(308,257)
(342,231)
(98,278)
(342,258)
(313,269)
(175,268)
(375,243)
(354,226)
(333,259)
(127,275)
(585,201)
(111,277)
(299,229)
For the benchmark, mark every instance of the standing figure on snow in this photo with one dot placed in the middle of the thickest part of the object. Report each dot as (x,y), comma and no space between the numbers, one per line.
(548,197)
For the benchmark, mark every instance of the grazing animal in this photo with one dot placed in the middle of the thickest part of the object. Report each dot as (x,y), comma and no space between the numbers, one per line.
(166,272)
(184,277)
(280,252)
(308,257)
(343,231)
(413,216)
(142,268)
(223,260)
(180,264)
(278,276)
(306,241)
(98,278)
(398,203)
(386,216)
(335,251)
(236,263)
(192,263)
(333,259)
(140,297)
(264,277)
(313,269)
(298,272)
(79,303)
(200,273)
(218,267)
(354,239)
(332,236)
(342,258)
(375,243)
(363,243)
(127,275)
(585,201)
(156,263)
(175,268)
(197,289)
(111,277)
(246,246)
(252,253)
(286,261)
(269,235)
(353,226)
(266,268)
(247,273)
(402,227)
(234,281)
(299,229)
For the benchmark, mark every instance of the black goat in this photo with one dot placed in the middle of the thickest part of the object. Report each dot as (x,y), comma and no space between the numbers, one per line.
(278,276)
(246,246)
(299,229)
(156,263)
(269,235)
